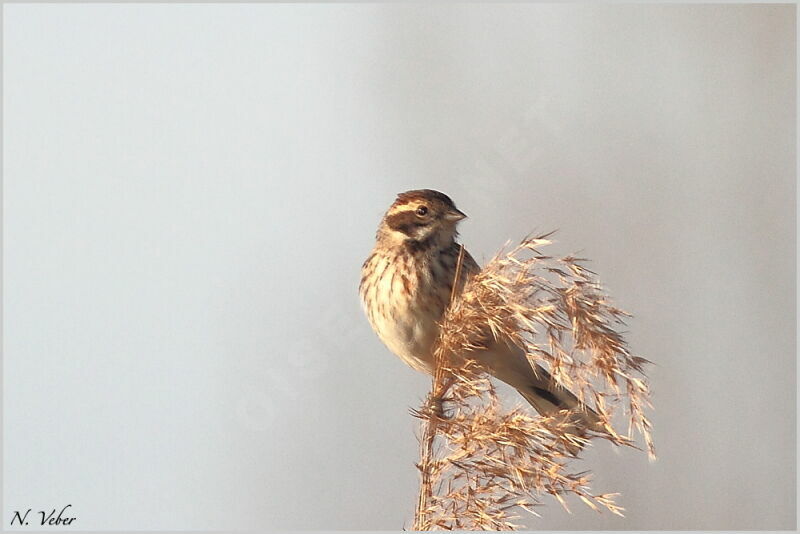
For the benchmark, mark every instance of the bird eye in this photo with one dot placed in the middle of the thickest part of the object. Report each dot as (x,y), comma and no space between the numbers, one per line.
(422,211)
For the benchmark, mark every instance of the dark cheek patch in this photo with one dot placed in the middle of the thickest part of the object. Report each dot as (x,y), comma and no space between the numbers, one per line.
(404,222)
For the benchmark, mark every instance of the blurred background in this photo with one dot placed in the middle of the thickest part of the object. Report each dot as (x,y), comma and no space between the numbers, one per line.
(190,191)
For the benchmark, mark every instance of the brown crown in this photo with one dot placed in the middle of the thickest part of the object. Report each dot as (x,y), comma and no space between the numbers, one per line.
(424,194)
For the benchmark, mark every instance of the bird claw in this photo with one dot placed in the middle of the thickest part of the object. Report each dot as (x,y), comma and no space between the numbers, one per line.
(436,407)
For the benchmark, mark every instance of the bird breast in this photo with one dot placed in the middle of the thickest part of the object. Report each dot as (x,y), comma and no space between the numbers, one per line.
(404,304)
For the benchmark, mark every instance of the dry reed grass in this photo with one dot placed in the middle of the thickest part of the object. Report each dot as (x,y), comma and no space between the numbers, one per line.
(482,464)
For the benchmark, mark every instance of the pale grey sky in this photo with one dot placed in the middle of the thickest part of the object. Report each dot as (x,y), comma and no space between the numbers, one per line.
(190,190)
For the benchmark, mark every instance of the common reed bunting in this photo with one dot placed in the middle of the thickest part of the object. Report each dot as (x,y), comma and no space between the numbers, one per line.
(406,284)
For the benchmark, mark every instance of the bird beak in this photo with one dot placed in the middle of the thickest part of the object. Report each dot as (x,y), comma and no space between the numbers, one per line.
(454,215)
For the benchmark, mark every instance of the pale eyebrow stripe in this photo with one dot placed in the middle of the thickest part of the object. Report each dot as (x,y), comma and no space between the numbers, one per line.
(402,208)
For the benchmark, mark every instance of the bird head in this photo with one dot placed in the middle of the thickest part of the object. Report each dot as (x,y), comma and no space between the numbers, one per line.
(422,217)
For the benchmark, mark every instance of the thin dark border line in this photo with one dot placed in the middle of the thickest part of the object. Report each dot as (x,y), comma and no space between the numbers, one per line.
(224,2)
(410,2)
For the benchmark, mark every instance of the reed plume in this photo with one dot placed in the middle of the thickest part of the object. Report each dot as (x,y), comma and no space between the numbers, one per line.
(482,464)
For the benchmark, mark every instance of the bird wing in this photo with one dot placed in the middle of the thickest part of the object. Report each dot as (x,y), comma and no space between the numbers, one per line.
(508,362)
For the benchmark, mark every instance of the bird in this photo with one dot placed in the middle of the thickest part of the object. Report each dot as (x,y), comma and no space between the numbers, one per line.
(406,285)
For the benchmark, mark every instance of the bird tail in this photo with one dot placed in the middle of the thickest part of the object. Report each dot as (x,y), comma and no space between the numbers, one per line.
(509,363)
(551,399)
